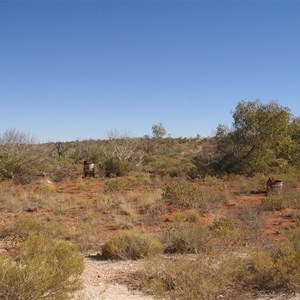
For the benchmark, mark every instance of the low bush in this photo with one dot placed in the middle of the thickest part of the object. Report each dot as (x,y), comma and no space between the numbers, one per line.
(20,158)
(119,184)
(295,238)
(275,269)
(184,194)
(181,194)
(41,268)
(224,223)
(46,188)
(81,185)
(280,202)
(228,233)
(24,226)
(205,276)
(152,213)
(59,168)
(187,238)
(191,216)
(114,167)
(131,245)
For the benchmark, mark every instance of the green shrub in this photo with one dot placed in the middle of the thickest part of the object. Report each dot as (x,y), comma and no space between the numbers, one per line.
(59,168)
(131,245)
(295,238)
(119,184)
(191,216)
(273,203)
(20,159)
(46,188)
(183,194)
(152,212)
(211,198)
(279,202)
(24,226)
(81,185)
(114,167)
(223,224)
(227,233)
(206,276)
(41,268)
(276,269)
(187,238)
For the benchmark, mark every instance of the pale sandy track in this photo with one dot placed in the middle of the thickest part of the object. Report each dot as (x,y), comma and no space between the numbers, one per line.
(101,280)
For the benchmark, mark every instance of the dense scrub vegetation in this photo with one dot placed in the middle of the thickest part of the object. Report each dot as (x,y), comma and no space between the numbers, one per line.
(192,199)
(264,138)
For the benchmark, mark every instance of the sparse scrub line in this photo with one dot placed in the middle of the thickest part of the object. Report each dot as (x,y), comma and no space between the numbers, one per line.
(209,274)
(280,202)
(184,235)
(206,275)
(211,271)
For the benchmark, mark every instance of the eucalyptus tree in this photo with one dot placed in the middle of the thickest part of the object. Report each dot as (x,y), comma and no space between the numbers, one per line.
(259,139)
(158,130)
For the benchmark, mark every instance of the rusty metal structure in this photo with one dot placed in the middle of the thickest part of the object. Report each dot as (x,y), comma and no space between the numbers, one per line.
(274,187)
(88,169)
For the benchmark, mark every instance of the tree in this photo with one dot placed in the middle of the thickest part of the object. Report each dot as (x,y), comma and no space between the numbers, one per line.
(60,148)
(123,147)
(258,139)
(121,153)
(292,149)
(158,130)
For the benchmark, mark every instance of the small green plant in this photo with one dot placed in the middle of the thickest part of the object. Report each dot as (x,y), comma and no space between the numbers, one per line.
(46,188)
(224,223)
(81,185)
(119,184)
(191,216)
(131,245)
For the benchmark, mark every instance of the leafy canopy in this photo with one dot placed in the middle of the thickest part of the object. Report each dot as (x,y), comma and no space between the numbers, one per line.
(260,139)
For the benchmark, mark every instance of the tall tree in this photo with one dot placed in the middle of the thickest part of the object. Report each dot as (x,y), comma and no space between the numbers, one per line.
(260,133)
(158,130)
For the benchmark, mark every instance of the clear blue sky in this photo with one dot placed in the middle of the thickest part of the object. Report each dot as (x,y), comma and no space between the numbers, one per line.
(77,69)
